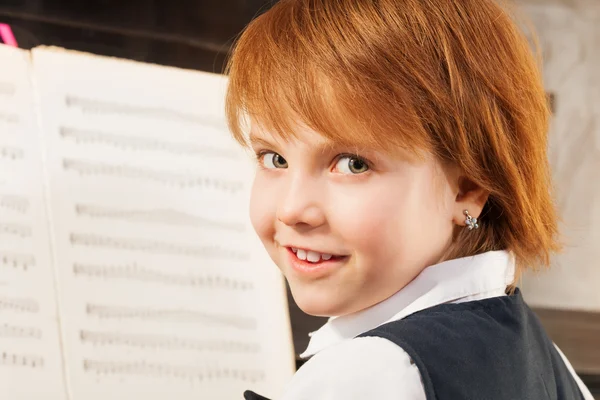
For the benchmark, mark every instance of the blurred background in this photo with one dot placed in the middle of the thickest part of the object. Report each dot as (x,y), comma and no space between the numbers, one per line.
(196,34)
(185,33)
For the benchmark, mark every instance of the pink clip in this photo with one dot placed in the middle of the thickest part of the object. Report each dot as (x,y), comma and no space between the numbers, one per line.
(7,36)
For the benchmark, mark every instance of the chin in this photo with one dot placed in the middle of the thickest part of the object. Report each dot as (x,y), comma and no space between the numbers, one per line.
(317,301)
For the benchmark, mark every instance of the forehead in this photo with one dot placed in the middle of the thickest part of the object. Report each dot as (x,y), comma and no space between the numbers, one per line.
(306,138)
(300,134)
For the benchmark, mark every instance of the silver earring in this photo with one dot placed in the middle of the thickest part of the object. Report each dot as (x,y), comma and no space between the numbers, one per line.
(470,221)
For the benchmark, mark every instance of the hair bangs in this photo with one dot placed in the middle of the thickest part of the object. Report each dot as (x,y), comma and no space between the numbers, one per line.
(286,72)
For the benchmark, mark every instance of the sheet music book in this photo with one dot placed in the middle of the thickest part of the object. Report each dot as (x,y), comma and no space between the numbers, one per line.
(128,265)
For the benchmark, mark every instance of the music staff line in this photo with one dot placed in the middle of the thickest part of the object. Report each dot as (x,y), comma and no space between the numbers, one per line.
(161,216)
(170,315)
(168,178)
(12,153)
(8,358)
(134,272)
(156,247)
(163,370)
(19,332)
(17,261)
(100,107)
(21,305)
(139,143)
(20,230)
(10,118)
(17,204)
(164,342)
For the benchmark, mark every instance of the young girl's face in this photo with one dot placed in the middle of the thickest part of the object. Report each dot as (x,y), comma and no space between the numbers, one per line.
(347,230)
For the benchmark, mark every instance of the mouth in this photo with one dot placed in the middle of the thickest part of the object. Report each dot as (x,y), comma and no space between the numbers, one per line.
(310,261)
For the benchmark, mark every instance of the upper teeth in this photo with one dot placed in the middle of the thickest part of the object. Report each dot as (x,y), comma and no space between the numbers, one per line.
(311,256)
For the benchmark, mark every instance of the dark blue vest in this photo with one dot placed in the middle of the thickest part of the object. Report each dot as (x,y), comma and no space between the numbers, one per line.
(493,349)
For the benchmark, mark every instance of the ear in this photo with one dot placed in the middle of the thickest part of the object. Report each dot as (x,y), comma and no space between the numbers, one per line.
(470,197)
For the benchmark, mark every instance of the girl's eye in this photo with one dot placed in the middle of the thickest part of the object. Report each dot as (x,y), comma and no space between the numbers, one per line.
(351,165)
(272,160)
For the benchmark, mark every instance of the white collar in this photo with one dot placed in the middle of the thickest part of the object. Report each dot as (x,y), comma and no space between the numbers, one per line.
(462,279)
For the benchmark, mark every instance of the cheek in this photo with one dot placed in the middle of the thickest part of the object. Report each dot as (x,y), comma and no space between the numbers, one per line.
(259,207)
(395,222)
(372,221)
(262,208)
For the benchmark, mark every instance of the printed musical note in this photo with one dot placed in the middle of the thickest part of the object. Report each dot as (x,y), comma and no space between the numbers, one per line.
(14,203)
(165,342)
(135,272)
(9,118)
(31,359)
(19,304)
(91,106)
(21,360)
(171,371)
(163,216)
(14,260)
(20,332)
(171,315)
(16,230)
(156,247)
(174,179)
(141,143)
(11,153)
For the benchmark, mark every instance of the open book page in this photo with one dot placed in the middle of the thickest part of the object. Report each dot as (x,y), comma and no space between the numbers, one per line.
(164,290)
(30,356)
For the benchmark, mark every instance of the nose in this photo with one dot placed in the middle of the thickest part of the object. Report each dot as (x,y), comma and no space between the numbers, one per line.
(302,203)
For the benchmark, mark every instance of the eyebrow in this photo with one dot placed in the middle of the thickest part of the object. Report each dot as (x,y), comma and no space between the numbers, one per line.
(258,141)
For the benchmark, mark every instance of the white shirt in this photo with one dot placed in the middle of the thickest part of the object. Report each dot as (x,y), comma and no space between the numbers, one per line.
(345,367)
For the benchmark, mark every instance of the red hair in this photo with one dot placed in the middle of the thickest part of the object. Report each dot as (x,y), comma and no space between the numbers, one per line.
(455,78)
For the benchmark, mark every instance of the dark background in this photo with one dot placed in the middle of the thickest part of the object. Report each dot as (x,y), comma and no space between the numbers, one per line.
(197,34)
(184,33)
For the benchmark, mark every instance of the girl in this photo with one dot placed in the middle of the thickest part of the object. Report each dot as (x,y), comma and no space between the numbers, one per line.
(402,187)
